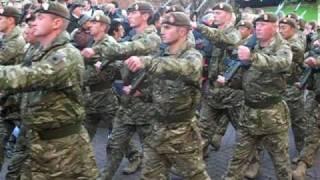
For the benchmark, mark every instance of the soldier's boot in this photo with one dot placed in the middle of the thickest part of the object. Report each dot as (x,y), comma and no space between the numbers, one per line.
(253,170)
(133,166)
(300,172)
(114,158)
(216,142)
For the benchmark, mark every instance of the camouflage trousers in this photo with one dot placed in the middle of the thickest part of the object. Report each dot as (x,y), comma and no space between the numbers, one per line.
(312,140)
(299,123)
(19,155)
(120,142)
(266,127)
(100,106)
(7,124)
(215,121)
(175,145)
(68,158)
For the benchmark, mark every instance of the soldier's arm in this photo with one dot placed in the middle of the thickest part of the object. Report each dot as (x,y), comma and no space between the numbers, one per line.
(8,52)
(188,67)
(114,50)
(57,71)
(220,38)
(298,50)
(278,62)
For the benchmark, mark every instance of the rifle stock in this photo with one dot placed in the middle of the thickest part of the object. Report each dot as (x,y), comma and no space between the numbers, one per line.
(236,64)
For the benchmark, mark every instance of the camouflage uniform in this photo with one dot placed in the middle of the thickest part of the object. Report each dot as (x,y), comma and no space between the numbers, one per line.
(53,110)
(175,140)
(134,112)
(294,96)
(11,52)
(312,144)
(265,116)
(20,153)
(101,101)
(220,101)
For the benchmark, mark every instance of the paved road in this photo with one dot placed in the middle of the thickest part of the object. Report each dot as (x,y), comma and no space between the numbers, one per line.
(216,163)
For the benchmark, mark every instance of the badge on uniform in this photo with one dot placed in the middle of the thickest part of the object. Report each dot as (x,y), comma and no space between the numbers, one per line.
(45,6)
(136,7)
(265,17)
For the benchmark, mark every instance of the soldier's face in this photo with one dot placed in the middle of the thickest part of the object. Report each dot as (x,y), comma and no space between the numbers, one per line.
(42,25)
(96,28)
(221,17)
(3,23)
(29,33)
(286,31)
(265,30)
(169,33)
(135,18)
(244,31)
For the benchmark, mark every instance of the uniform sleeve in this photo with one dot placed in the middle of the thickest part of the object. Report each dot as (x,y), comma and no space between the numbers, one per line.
(298,49)
(9,52)
(142,46)
(54,72)
(219,37)
(189,67)
(278,62)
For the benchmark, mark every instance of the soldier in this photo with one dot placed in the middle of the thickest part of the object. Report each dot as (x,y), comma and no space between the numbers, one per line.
(293,96)
(311,147)
(246,29)
(128,121)
(19,153)
(11,51)
(265,116)
(52,104)
(220,101)
(101,100)
(175,140)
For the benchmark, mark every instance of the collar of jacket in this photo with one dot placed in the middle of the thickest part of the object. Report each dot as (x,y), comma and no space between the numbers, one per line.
(12,35)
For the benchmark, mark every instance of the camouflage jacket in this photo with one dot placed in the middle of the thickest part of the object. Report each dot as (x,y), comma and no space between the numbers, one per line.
(92,76)
(142,44)
(175,83)
(224,41)
(51,85)
(12,47)
(137,110)
(298,48)
(264,81)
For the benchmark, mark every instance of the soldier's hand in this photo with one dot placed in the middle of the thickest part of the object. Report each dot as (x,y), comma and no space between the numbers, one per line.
(88,52)
(194,25)
(126,89)
(316,42)
(311,62)
(221,80)
(134,63)
(244,53)
(97,65)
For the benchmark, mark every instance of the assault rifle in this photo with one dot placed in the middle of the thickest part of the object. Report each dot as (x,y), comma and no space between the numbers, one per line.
(308,71)
(236,64)
(135,79)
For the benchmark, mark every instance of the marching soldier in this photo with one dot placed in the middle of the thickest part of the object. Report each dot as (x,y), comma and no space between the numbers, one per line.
(265,116)
(52,104)
(11,51)
(175,140)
